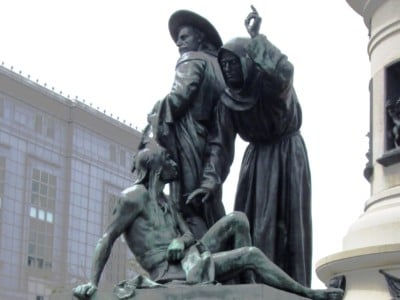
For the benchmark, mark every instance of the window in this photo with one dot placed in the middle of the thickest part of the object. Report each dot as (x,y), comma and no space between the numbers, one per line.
(122,157)
(50,128)
(1,107)
(38,290)
(38,123)
(21,117)
(41,224)
(392,106)
(43,196)
(33,212)
(2,178)
(40,249)
(392,116)
(113,153)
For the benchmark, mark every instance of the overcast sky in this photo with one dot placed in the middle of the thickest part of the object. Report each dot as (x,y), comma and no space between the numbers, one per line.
(118,55)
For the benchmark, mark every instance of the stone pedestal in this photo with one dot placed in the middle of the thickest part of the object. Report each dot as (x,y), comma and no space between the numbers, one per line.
(221,292)
(371,248)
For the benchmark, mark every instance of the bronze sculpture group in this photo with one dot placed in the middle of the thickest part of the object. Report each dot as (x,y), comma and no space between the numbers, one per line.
(243,87)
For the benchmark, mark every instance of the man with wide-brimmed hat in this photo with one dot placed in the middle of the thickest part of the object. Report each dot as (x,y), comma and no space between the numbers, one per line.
(211,40)
(184,116)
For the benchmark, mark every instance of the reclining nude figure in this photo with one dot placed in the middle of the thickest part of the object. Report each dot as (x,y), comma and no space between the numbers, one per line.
(162,243)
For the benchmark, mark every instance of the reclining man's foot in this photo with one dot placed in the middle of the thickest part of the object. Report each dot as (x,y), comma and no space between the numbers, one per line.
(328,294)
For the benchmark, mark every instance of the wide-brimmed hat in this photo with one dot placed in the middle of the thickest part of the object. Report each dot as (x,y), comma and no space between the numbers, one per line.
(189,18)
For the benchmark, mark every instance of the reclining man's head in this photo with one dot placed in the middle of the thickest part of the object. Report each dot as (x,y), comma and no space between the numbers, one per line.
(155,163)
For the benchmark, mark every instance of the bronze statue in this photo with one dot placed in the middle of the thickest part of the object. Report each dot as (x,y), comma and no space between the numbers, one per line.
(162,243)
(393,110)
(274,189)
(181,120)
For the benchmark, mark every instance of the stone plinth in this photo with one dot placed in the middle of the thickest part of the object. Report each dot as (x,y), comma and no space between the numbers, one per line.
(221,292)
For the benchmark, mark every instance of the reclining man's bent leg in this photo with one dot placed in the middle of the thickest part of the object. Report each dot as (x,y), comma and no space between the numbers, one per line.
(230,232)
(230,263)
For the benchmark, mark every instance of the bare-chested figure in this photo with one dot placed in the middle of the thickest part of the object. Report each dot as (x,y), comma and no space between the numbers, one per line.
(162,243)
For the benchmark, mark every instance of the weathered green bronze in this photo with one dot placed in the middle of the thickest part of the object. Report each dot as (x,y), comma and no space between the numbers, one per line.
(274,190)
(183,118)
(162,243)
(260,105)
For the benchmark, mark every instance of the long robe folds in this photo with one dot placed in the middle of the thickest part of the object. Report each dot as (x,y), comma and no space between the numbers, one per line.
(183,121)
(274,188)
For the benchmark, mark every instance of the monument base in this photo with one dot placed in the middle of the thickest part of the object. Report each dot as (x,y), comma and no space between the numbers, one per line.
(213,292)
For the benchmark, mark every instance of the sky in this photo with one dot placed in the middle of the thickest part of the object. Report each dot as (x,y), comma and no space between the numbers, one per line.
(119,57)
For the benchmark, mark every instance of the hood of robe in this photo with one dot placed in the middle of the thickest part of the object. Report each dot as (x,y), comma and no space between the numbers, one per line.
(240,99)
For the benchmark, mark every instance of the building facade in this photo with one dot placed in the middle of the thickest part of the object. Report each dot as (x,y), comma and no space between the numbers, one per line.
(62,166)
(368,267)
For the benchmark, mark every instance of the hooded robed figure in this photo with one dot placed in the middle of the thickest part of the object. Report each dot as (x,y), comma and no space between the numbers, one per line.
(274,188)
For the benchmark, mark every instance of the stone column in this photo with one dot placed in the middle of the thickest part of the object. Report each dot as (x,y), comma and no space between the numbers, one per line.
(371,249)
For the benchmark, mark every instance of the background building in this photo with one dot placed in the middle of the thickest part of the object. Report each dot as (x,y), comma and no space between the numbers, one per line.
(369,264)
(62,165)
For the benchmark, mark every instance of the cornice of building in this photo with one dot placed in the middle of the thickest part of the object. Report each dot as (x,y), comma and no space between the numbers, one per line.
(366,8)
(66,100)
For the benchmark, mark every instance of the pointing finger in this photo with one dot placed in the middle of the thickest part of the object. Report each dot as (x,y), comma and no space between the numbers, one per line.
(254,9)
